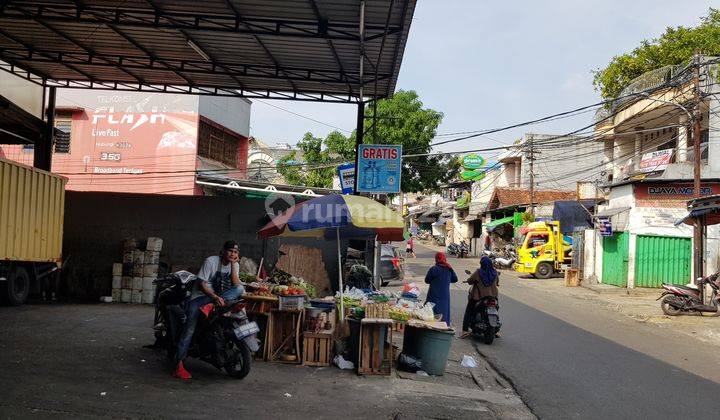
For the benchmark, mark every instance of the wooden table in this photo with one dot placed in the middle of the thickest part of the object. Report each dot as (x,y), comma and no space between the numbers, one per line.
(284,333)
(258,309)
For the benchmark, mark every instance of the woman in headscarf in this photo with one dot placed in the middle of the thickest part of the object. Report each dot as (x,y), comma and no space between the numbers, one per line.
(484,282)
(439,278)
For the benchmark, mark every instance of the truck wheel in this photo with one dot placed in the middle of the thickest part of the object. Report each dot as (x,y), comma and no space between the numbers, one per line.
(17,287)
(543,271)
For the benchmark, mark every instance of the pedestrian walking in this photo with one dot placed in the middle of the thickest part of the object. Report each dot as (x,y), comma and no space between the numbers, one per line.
(409,249)
(439,277)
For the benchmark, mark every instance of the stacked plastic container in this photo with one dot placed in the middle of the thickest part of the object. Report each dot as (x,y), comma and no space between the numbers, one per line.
(133,278)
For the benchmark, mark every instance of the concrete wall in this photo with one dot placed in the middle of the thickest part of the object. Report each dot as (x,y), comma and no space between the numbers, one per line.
(25,94)
(192,228)
(233,113)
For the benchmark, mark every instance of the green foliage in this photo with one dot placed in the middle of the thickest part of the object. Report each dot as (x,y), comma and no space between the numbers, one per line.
(675,46)
(401,120)
(527,218)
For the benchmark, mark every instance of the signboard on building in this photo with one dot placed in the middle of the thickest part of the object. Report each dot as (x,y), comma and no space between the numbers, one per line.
(379,168)
(655,161)
(346,174)
(472,165)
(672,191)
(604,224)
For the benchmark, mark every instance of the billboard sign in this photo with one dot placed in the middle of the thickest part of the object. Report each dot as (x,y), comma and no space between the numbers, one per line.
(655,161)
(346,174)
(605,226)
(380,167)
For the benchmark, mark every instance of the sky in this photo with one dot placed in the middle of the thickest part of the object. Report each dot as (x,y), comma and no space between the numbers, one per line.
(487,64)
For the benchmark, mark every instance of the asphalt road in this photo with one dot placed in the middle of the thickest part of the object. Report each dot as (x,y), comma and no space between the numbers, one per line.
(572,359)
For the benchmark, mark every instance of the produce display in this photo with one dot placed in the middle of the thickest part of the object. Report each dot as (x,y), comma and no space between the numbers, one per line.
(384,305)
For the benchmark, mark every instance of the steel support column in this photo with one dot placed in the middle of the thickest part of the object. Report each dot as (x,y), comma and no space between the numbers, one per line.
(359,135)
(42,158)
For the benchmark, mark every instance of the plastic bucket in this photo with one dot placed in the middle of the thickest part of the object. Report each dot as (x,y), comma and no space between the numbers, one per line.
(430,346)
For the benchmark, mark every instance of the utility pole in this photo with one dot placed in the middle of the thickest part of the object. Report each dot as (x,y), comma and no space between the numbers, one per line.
(532,176)
(698,245)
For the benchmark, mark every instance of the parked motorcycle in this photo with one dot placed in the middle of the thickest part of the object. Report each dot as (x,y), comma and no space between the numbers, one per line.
(679,300)
(501,262)
(460,250)
(224,337)
(487,318)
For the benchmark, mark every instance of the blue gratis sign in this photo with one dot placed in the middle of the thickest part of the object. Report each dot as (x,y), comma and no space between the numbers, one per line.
(379,168)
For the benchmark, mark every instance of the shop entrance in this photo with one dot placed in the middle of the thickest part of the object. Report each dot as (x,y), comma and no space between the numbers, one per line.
(660,259)
(615,259)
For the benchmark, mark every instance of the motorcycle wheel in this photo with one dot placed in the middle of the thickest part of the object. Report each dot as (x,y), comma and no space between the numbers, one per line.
(239,365)
(489,336)
(667,308)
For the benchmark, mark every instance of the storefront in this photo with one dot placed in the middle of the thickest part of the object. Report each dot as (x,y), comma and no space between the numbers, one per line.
(642,246)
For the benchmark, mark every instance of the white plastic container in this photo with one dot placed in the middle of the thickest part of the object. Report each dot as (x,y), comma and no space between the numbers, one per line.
(116,295)
(125,295)
(117,282)
(117,269)
(148,296)
(150,270)
(126,282)
(137,283)
(147,283)
(154,244)
(136,296)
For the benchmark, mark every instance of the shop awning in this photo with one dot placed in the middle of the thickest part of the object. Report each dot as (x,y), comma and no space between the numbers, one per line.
(495,223)
(612,212)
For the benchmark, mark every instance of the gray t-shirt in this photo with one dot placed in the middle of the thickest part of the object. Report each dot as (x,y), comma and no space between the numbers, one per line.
(215,274)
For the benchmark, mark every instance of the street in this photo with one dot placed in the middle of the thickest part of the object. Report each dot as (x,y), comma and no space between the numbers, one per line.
(570,359)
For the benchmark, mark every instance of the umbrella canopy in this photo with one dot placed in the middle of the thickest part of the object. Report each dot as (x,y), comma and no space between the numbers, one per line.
(350,215)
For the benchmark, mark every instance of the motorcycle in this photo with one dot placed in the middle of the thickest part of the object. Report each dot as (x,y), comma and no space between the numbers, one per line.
(459,250)
(224,337)
(487,318)
(677,299)
(501,262)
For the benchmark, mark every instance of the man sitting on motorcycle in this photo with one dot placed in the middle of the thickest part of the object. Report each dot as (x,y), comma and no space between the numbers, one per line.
(484,282)
(216,282)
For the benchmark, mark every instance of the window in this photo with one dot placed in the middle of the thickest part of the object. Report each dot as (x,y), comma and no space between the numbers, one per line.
(537,239)
(218,144)
(62,136)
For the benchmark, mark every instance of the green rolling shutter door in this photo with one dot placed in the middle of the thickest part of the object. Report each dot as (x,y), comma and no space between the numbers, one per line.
(661,259)
(615,259)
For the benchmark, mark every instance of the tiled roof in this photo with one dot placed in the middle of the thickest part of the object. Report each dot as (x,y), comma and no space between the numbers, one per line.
(506,197)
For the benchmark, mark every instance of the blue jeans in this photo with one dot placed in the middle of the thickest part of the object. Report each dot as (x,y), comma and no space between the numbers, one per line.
(192,311)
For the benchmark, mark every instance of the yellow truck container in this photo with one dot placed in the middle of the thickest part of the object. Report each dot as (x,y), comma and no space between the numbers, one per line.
(32,210)
(543,251)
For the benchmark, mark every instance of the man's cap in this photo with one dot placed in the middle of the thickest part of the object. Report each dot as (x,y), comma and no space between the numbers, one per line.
(230,245)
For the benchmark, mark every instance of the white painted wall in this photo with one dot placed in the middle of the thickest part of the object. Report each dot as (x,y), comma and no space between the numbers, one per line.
(589,265)
(26,95)
(233,113)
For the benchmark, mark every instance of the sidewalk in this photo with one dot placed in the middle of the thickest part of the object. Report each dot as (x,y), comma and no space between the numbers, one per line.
(639,304)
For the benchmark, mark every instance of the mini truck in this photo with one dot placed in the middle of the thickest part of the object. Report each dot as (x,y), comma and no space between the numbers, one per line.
(543,251)
(32,209)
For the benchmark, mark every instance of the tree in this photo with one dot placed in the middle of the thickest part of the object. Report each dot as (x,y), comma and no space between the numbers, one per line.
(675,46)
(403,120)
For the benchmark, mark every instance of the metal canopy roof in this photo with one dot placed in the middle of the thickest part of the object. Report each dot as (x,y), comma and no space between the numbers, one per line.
(284,49)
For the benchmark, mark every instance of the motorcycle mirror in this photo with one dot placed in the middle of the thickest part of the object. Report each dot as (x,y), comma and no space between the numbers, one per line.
(467,272)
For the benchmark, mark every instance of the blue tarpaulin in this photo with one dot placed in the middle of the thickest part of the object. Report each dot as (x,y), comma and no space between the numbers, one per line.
(573,215)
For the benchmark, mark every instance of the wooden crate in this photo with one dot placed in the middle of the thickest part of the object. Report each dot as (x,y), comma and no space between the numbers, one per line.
(375,355)
(283,335)
(572,277)
(317,349)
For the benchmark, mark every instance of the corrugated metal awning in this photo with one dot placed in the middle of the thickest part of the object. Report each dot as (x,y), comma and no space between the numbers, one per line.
(285,49)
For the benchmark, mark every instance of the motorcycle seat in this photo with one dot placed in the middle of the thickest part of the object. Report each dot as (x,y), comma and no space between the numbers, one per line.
(690,287)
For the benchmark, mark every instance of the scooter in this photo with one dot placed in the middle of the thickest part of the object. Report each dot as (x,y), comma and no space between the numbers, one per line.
(224,337)
(501,262)
(487,318)
(679,300)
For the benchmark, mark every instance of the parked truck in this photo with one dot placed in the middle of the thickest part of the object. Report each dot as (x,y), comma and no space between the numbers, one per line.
(32,208)
(543,251)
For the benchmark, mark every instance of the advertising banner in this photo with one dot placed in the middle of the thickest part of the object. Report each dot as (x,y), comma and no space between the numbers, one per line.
(346,173)
(656,161)
(672,191)
(380,167)
(605,226)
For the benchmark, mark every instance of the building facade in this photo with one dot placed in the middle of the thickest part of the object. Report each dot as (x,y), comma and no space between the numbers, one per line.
(144,142)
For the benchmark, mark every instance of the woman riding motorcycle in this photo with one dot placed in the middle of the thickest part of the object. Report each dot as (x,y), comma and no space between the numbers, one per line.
(484,282)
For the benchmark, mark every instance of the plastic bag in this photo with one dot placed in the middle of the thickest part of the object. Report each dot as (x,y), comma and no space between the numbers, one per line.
(411,289)
(468,362)
(409,363)
(342,363)
(425,313)
(248,266)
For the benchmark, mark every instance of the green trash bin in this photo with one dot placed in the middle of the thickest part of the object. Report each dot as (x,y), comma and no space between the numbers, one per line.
(430,346)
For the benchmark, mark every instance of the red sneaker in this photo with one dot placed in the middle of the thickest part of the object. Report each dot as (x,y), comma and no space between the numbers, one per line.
(181,373)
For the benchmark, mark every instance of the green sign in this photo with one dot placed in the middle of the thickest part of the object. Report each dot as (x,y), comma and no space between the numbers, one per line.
(472,175)
(473,161)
